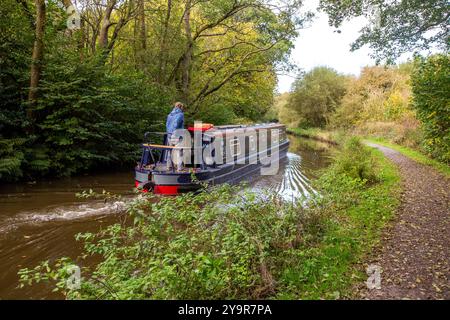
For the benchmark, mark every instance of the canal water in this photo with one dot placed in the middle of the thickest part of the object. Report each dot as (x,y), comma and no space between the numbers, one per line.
(39,221)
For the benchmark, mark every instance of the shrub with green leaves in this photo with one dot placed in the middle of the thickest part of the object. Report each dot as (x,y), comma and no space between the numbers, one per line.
(86,118)
(431,90)
(214,245)
(355,161)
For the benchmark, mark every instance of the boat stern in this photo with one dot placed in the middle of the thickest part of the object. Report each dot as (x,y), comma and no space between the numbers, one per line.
(142,179)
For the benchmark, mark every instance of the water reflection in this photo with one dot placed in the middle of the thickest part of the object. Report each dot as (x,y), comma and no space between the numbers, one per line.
(290,184)
(302,163)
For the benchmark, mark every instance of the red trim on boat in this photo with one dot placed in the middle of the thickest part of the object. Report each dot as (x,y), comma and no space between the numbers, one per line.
(203,127)
(166,190)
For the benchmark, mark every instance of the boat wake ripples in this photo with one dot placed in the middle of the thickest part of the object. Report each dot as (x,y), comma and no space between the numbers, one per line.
(291,184)
(58,214)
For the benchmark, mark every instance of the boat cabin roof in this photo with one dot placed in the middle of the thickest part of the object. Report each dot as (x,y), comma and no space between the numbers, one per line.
(242,129)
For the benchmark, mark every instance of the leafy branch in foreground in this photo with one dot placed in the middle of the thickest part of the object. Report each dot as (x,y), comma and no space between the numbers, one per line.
(394,27)
(211,245)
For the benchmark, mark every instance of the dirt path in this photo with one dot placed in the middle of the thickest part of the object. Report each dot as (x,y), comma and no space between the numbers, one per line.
(415,253)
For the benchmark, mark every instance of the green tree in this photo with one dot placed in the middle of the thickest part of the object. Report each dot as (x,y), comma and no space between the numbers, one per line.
(316,94)
(394,26)
(430,86)
(16,40)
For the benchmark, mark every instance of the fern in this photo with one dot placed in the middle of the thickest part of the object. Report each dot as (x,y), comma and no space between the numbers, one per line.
(10,168)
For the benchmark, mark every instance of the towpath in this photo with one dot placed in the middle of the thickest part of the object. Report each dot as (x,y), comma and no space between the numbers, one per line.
(415,253)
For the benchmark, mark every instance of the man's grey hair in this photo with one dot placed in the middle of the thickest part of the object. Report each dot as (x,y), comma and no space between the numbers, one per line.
(179,105)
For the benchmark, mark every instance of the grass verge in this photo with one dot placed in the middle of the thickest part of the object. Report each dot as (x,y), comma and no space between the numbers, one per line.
(413,154)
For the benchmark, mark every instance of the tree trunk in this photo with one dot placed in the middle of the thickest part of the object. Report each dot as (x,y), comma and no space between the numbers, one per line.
(67,3)
(106,24)
(163,45)
(37,56)
(135,44)
(140,36)
(187,59)
(82,41)
(142,26)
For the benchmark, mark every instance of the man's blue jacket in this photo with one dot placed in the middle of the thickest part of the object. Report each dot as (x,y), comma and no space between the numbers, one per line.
(175,120)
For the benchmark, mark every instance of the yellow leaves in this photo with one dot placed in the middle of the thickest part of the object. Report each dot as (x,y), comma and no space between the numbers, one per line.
(379,94)
(431,115)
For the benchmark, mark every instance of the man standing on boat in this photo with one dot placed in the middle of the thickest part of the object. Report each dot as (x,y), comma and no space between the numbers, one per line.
(175,120)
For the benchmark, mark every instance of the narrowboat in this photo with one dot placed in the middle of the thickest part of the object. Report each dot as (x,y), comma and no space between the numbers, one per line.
(205,154)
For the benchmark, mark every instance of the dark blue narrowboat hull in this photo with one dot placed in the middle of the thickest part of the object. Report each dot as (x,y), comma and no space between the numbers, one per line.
(167,182)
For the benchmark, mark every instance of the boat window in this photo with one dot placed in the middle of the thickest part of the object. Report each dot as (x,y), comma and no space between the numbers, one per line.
(252,143)
(235,147)
(275,136)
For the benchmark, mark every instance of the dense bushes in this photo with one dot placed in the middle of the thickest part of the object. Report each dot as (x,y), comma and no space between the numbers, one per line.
(14,60)
(354,161)
(377,103)
(90,118)
(208,246)
(431,90)
(85,118)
